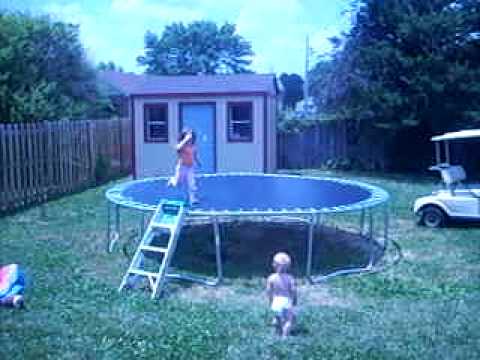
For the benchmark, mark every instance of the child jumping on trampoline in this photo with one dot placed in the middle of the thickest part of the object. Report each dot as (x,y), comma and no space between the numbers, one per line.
(282,294)
(185,170)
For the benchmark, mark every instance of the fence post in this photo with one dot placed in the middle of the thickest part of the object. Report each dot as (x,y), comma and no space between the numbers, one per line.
(48,161)
(11,187)
(24,153)
(120,142)
(84,156)
(61,155)
(55,159)
(29,166)
(92,154)
(18,164)
(36,162)
(70,147)
(3,166)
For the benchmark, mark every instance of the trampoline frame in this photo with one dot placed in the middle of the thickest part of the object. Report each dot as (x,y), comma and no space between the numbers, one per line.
(311,217)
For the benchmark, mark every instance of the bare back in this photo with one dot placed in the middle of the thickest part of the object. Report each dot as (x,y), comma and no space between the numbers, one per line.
(281,284)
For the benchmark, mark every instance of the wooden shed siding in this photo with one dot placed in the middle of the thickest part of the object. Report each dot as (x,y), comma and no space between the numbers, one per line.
(272,135)
(246,156)
(158,159)
(154,159)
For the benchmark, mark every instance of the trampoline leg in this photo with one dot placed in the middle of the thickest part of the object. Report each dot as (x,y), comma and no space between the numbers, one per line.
(138,237)
(108,226)
(142,225)
(218,250)
(204,280)
(311,226)
(117,218)
(386,220)
(370,239)
(362,221)
(112,237)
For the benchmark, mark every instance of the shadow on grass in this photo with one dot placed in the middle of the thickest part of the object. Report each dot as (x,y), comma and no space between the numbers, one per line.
(463,224)
(300,330)
(248,248)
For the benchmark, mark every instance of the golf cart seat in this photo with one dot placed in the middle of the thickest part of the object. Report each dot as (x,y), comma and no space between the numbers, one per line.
(452,175)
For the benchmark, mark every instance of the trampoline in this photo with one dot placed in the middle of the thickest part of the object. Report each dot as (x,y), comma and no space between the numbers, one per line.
(259,197)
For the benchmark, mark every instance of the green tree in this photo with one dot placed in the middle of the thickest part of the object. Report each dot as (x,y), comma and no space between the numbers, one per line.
(109,66)
(44,74)
(197,48)
(293,90)
(407,69)
(409,63)
(322,84)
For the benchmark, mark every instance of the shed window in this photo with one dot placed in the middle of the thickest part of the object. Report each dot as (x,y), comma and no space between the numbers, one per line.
(156,122)
(240,122)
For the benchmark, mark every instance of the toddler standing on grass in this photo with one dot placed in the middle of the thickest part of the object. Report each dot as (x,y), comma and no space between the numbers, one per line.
(184,170)
(282,294)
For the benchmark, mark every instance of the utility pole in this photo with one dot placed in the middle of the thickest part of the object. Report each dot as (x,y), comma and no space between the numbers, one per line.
(305,82)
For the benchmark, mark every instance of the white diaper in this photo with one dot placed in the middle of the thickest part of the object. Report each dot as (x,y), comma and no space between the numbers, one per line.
(280,305)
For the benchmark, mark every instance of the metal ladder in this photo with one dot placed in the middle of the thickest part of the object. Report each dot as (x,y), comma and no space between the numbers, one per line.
(168,218)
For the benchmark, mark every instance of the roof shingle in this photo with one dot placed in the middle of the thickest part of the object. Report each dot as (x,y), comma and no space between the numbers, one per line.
(134,84)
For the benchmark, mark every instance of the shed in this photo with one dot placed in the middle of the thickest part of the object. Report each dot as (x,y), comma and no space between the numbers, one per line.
(234,117)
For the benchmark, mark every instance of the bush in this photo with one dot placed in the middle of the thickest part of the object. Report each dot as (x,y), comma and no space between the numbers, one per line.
(342,164)
(103,169)
(289,121)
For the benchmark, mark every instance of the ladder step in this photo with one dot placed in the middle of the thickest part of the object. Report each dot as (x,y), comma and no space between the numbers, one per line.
(170,208)
(167,220)
(162,226)
(143,272)
(153,248)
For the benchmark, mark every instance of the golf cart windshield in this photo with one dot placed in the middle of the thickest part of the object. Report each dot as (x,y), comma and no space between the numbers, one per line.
(460,148)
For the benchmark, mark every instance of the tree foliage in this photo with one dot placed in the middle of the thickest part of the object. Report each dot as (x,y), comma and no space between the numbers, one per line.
(44,74)
(109,66)
(293,90)
(197,48)
(406,63)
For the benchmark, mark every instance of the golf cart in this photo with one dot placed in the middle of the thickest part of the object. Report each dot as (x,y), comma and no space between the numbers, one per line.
(456,199)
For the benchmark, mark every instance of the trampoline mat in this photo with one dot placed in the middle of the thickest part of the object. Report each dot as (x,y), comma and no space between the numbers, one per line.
(229,193)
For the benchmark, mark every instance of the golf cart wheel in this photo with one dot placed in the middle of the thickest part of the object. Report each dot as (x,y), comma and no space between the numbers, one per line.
(433,217)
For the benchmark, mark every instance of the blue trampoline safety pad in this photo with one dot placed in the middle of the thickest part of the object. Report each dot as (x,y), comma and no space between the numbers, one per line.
(230,194)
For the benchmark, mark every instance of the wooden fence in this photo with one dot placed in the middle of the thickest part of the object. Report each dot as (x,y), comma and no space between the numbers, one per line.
(312,147)
(332,142)
(39,161)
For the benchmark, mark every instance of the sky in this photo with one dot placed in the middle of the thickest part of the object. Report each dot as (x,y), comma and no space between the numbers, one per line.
(113,30)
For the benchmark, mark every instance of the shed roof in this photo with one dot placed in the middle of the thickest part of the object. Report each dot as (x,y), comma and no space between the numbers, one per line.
(134,84)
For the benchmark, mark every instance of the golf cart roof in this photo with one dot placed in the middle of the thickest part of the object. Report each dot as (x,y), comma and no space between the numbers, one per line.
(457,135)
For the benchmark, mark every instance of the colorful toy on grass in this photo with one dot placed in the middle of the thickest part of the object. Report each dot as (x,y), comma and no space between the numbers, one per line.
(12,286)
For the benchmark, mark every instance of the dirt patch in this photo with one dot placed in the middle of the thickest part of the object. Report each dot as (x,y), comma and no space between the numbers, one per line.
(309,295)
(320,295)
(223,293)
(247,248)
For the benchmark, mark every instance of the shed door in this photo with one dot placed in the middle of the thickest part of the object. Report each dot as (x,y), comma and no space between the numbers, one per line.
(201,118)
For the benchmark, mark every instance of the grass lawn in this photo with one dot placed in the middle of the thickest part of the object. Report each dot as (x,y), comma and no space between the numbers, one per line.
(425,307)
